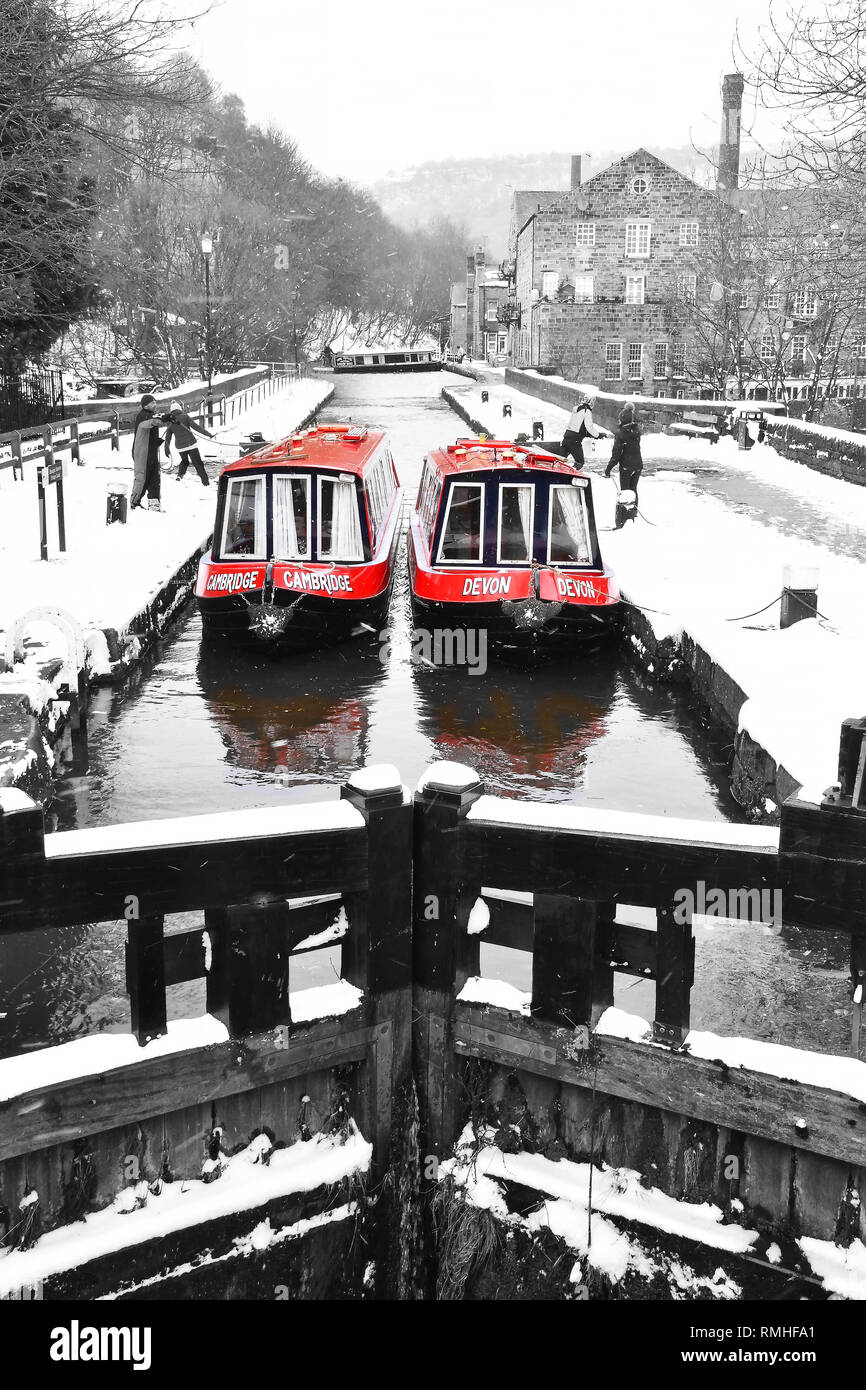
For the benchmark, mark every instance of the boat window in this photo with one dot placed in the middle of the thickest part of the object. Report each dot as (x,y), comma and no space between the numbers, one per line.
(339,524)
(244,526)
(516,510)
(568,542)
(462,534)
(292,518)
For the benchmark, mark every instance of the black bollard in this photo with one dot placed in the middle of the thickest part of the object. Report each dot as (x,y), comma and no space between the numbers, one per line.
(506,410)
(538,429)
(485,397)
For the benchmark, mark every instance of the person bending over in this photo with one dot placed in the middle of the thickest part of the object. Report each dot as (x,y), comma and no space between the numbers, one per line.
(183,430)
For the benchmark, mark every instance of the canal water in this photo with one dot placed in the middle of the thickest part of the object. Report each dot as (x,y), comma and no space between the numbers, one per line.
(196,730)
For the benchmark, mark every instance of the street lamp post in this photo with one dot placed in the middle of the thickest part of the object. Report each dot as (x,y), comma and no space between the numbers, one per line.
(207,252)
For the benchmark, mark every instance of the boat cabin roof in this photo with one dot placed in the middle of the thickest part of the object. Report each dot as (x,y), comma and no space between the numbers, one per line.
(346,447)
(472,455)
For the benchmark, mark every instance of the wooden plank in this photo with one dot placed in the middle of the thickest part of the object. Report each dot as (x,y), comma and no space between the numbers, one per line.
(511,924)
(674,969)
(81,888)
(752,1102)
(145,975)
(589,864)
(57,1114)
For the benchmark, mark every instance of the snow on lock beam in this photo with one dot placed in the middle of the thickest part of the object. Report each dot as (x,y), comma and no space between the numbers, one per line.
(692,564)
(612,1222)
(163,1212)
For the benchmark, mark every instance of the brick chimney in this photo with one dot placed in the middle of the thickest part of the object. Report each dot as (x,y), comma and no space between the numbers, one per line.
(575,171)
(728,175)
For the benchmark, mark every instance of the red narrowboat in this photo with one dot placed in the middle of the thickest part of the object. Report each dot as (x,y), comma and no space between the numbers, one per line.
(305,541)
(503,539)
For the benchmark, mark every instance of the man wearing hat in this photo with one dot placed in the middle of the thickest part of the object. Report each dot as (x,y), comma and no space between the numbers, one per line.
(183,431)
(145,454)
(626,453)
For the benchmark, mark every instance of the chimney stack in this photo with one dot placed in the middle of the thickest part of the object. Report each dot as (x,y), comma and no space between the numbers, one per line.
(728,175)
(575,171)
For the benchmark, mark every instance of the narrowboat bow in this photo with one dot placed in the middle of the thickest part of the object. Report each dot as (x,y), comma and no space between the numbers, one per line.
(305,541)
(503,539)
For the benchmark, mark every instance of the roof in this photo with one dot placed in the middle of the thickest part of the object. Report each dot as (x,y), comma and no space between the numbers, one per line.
(471,456)
(353,341)
(345,447)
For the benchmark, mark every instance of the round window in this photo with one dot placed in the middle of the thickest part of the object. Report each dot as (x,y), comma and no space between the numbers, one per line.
(639,185)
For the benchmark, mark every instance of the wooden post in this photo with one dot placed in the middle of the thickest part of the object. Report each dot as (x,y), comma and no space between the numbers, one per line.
(852,763)
(145,978)
(75,445)
(22,851)
(440,898)
(674,965)
(858,990)
(17,464)
(43,515)
(377,955)
(61,514)
(248,980)
(572,980)
(115,432)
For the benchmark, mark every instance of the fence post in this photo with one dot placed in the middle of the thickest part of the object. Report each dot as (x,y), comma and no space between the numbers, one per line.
(115,432)
(439,915)
(248,981)
(75,453)
(572,979)
(17,462)
(145,978)
(674,966)
(380,931)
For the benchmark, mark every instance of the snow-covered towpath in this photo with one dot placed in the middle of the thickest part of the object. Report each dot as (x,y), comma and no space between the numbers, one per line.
(717,527)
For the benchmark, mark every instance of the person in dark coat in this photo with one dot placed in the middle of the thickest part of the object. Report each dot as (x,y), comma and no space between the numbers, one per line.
(145,453)
(626,453)
(183,430)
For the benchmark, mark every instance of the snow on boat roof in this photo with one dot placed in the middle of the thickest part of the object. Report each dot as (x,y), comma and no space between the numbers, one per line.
(351,342)
(469,455)
(347,447)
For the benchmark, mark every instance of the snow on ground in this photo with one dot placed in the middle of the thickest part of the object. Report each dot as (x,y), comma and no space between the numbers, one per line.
(247,1180)
(110,573)
(694,564)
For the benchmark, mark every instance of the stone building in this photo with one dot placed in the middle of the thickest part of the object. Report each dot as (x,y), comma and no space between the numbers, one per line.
(476,325)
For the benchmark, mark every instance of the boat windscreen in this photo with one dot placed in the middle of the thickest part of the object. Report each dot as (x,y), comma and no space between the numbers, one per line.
(516,507)
(462,533)
(244,528)
(291,518)
(568,542)
(339,524)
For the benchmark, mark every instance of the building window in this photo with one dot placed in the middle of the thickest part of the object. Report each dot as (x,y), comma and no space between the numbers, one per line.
(637,238)
(678,359)
(635,289)
(586,234)
(550,284)
(689,234)
(635,361)
(502,342)
(860,349)
(613,361)
(774,300)
(805,304)
(745,299)
(798,352)
(661,360)
(640,185)
(583,289)
(687,288)
(768,347)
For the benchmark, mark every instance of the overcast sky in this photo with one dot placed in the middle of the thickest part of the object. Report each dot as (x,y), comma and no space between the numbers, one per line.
(364,88)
